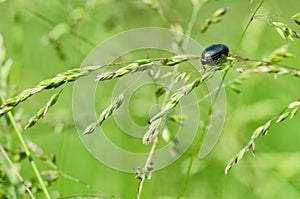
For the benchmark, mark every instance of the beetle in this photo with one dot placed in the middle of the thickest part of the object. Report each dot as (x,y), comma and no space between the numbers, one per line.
(213,54)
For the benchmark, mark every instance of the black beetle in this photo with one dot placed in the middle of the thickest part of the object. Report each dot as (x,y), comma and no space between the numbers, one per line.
(212,54)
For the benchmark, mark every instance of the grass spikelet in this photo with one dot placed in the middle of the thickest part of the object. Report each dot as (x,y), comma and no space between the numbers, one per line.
(43,111)
(105,114)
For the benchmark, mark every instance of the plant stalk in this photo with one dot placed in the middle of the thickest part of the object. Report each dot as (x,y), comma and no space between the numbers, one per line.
(27,151)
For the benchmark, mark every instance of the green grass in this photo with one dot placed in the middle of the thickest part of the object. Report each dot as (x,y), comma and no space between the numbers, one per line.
(273,173)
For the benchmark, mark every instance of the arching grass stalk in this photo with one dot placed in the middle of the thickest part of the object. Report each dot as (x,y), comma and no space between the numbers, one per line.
(27,151)
(53,83)
(73,74)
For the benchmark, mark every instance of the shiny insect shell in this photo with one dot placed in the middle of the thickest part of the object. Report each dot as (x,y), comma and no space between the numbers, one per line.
(212,54)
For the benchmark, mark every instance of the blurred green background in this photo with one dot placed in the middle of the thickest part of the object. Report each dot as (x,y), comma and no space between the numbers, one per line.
(48,37)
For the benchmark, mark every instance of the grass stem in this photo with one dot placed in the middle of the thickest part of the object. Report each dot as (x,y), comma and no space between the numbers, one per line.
(27,151)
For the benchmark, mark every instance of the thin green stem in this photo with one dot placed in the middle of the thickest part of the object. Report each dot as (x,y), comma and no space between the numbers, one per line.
(161,12)
(149,159)
(266,62)
(16,171)
(192,158)
(67,176)
(27,151)
(248,24)
(193,20)
(186,177)
(50,22)
(199,142)
(154,144)
(192,23)
(140,188)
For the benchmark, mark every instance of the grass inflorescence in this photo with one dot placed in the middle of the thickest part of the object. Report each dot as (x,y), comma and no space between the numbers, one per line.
(73,74)
(105,114)
(43,111)
(157,123)
(289,112)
